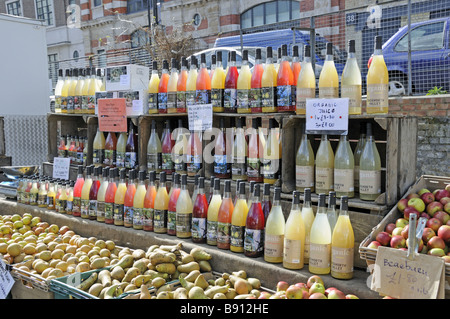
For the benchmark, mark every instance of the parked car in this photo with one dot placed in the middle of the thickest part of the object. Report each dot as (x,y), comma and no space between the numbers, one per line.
(430,57)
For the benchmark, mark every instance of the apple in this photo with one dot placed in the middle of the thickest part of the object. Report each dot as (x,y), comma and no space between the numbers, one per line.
(43,225)
(402,204)
(412,195)
(264,295)
(398,242)
(427,234)
(389,228)
(313,279)
(442,216)
(433,207)
(423,191)
(446,259)
(401,222)
(435,242)
(53,228)
(294,292)
(436,252)
(336,294)
(444,233)
(64,229)
(444,200)
(424,250)
(282,286)
(417,203)
(35,220)
(447,187)
(441,193)
(419,248)
(434,224)
(383,238)
(427,198)
(425,215)
(317,295)
(374,244)
(306,294)
(317,287)
(397,231)
(302,285)
(447,207)
(351,296)
(410,210)
(405,232)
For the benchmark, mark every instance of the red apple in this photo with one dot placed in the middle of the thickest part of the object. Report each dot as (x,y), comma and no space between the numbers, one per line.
(294,292)
(444,200)
(401,222)
(447,187)
(374,244)
(417,203)
(336,294)
(436,252)
(405,232)
(419,248)
(264,295)
(425,215)
(441,193)
(383,238)
(435,242)
(282,286)
(313,279)
(64,229)
(402,204)
(328,290)
(410,210)
(434,207)
(412,195)
(434,224)
(427,234)
(305,294)
(427,198)
(398,242)
(302,285)
(317,295)
(446,259)
(447,208)
(397,231)
(351,296)
(389,228)
(444,233)
(442,216)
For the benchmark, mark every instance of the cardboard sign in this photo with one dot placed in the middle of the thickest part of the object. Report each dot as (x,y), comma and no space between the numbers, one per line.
(327,116)
(396,275)
(61,167)
(200,117)
(6,280)
(112,115)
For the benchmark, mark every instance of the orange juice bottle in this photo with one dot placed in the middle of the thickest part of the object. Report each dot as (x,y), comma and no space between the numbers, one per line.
(149,202)
(181,87)
(255,91)
(224,218)
(203,83)
(109,197)
(138,202)
(295,65)
(129,199)
(162,88)
(285,84)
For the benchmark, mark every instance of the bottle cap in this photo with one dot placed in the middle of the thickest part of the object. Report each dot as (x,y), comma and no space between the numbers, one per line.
(60,72)
(245,55)
(155,65)
(279,52)
(322,200)
(351,46)
(307,195)
(266,189)
(228,186)
(80,169)
(284,50)
(277,193)
(252,186)
(378,42)
(233,56)
(142,175)
(329,48)
(219,56)
(256,191)
(203,58)
(242,188)
(173,62)
(269,52)
(217,184)
(196,179)
(177,178)
(368,129)
(332,198)
(296,197)
(122,173)
(89,170)
(258,54)
(131,174)
(162,177)
(344,202)
(184,179)
(213,59)
(165,64)
(295,51)
(201,182)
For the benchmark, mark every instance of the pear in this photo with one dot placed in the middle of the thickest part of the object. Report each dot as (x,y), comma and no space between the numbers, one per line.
(201,282)
(192,275)
(197,293)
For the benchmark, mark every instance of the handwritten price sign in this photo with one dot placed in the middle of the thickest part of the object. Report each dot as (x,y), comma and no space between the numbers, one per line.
(327,116)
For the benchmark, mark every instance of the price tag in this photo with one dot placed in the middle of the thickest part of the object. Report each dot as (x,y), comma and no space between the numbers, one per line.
(200,117)
(112,115)
(61,167)
(125,80)
(6,280)
(327,116)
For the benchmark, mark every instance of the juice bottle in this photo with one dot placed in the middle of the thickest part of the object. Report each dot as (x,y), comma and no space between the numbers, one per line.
(213,65)
(211,188)
(218,85)
(58,89)
(194,154)
(236,193)
(269,85)
(62,150)
(254,154)
(304,165)
(369,168)
(203,83)
(154,155)
(213,212)
(42,195)
(26,196)
(351,81)
(85,151)
(329,79)
(110,149)
(119,199)
(272,155)
(331,210)
(320,241)
(195,191)
(244,83)
(306,82)
(377,82)
(181,87)
(266,203)
(131,160)
(71,95)
(200,214)
(138,202)
(278,62)
(222,167)
(153,86)
(161,206)
(121,146)
(295,65)
(69,205)
(63,198)
(342,244)
(85,192)
(324,166)
(65,91)
(149,202)
(71,148)
(180,149)
(183,210)
(101,195)
(294,236)
(100,81)
(98,154)
(344,169)
(80,151)
(274,233)
(128,211)
(240,153)
(238,221)
(230,88)
(254,227)
(90,95)
(109,197)
(93,193)
(255,83)
(85,89)
(191,83)
(58,190)
(172,207)
(285,83)
(224,218)
(162,88)
(166,149)
(172,88)
(357,153)
(77,107)
(77,192)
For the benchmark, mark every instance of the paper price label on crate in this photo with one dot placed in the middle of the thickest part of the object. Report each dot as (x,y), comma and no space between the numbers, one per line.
(6,280)
(61,167)
(112,115)
(398,276)
(200,117)
(327,116)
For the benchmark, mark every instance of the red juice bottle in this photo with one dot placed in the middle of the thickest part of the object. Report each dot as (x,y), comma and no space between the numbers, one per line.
(162,88)
(77,192)
(254,154)
(230,91)
(285,84)
(166,150)
(129,199)
(200,214)
(109,196)
(266,203)
(93,192)
(254,228)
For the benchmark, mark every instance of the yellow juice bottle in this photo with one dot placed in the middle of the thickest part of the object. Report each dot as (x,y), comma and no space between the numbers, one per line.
(308,219)
(58,89)
(294,236)
(71,92)
(184,208)
(153,86)
(79,92)
(191,83)
(269,84)
(172,88)
(51,194)
(69,205)
(238,221)
(329,79)
(98,155)
(213,213)
(42,195)
(218,85)
(84,90)
(65,91)
(342,244)
(90,94)
(244,85)
(85,192)
(351,81)
(306,82)
(138,202)
(324,166)
(119,199)
(275,230)
(161,206)
(63,199)
(377,82)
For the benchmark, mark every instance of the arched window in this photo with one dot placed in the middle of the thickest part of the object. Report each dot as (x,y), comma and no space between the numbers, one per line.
(140,41)
(269,13)
(139,38)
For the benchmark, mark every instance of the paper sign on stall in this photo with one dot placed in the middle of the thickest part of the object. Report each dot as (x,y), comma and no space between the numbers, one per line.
(112,115)
(61,167)
(397,276)
(6,280)
(200,117)
(327,116)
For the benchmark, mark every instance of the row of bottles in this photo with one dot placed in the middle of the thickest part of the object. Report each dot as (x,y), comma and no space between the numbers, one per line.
(73,147)
(75,90)
(270,86)
(253,225)
(343,171)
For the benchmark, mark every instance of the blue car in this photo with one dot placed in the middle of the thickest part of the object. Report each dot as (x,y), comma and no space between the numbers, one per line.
(430,57)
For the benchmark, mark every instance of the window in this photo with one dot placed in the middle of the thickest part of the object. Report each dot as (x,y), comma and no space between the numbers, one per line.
(76,55)
(139,38)
(101,58)
(97,3)
(53,67)
(137,5)
(14,8)
(269,13)
(44,11)
(139,54)
(197,20)
(424,37)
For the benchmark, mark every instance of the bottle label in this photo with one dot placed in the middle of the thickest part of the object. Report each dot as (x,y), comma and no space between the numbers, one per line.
(304,176)
(324,178)
(211,232)
(223,233)
(239,166)
(110,158)
(254,167)
(342,260)
(254,240)
(130,159)
(57,101)
(217,97)
(62,153)
(273,246)
(220,165)
(194,163)
(198,228)
(369,182)
(120,159)
(292,251)
(285,98)
(109,211)
(377,96)
(171,220)
(353,93)
(181,101)
(271,168)
(128,215)
(237,236)
(153,102)
(138,218)
(202,96)
(100,210)
(319,255)
(98,156)
(190,98)
(148,217)
(328,92)
(302,95)
(62,205)
(118,213)
(93,206)
(183,223)
(230,98)
(89,102)
(76,204)
(69,206)
(268,97)
(84,209)
(344,180)
(162,101)
(77,101)
(154,161)
(243,99)
(63,104)
(167,163)
(254,98)
(42,199)
(79,159)
(160,219)
(70,103)
(178,164)
(172,100)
